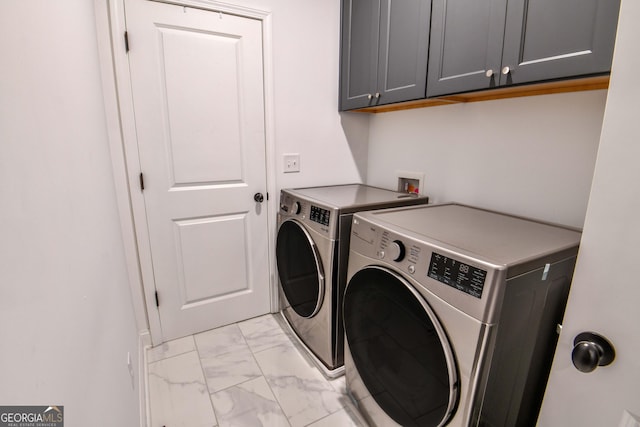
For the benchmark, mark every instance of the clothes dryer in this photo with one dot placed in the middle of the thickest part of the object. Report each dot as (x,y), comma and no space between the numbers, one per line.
(451,314)
(312,247)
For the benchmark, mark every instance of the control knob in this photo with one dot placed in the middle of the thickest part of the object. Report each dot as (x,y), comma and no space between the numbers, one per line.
(296,208)
(396,250)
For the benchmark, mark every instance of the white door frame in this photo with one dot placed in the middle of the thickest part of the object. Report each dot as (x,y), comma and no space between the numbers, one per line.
(116,87)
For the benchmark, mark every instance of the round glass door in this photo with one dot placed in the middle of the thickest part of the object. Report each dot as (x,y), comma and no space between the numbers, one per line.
(400,349)
(299,269)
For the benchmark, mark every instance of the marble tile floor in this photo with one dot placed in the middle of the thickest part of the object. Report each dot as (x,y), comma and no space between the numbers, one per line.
(251,373)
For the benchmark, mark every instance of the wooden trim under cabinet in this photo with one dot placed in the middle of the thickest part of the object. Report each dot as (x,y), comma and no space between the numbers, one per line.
(545,88)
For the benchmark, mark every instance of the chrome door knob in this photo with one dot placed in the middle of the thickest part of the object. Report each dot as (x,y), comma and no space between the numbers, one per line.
(258,197)
(489,73)
(590,351)
(506,70)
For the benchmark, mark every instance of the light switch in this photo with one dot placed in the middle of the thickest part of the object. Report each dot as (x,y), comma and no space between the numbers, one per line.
(291,163)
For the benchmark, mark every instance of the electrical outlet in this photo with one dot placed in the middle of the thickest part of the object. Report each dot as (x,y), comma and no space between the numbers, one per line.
(291,163)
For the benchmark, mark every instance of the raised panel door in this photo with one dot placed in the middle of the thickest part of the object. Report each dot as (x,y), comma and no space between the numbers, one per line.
(550,39)
(197,89)
(359,53)
(466,45)
(404,47)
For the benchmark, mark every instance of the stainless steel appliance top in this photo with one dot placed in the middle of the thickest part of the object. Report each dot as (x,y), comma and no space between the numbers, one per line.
(354,197)
(489,236)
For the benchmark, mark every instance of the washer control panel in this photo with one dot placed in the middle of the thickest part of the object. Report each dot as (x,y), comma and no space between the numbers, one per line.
(392,249)
(322,219)
(458,275)
(320,215)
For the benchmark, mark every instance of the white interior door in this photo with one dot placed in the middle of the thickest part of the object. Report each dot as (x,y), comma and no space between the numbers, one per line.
(605,293)
(197,83)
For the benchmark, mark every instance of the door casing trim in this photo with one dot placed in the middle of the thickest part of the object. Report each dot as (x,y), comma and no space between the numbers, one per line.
(118,103)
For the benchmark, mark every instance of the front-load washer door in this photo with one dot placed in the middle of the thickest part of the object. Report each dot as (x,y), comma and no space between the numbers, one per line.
(399,349)
(299,268)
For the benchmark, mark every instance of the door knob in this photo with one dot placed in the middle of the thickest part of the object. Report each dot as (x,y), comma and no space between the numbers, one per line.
(591,350)
(258,197)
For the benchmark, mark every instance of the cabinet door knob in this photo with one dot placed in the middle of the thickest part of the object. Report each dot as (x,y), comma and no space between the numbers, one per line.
(377,95)
(489,73)
(506,70)
(590,351)
(369,96)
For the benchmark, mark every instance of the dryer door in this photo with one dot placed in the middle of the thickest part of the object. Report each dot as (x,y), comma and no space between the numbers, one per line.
(299,268)
(399,349)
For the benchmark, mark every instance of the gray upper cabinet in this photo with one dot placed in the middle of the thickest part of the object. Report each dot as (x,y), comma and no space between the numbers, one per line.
(549,39)
(359,52)
(384,51)
(488,43)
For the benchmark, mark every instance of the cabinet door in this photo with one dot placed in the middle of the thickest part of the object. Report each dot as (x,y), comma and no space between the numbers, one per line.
(466,43)
(359,53)
(404,47)
(550,39)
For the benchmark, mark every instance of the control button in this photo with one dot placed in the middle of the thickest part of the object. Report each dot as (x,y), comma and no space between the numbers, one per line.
(296,208)
(380,254)
(412,269)
(396,250)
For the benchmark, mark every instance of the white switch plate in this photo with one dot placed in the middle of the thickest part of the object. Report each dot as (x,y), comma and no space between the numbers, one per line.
(291,163)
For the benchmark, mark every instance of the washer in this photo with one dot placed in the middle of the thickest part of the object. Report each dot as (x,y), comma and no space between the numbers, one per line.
(451,314)
(312,249)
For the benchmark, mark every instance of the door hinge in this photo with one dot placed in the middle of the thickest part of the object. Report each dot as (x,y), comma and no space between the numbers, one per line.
(126,41)
(157,300)
(141,182)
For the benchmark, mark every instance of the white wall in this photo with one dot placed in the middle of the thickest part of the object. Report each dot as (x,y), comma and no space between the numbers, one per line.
(306,43)
(66,318)
(530,156)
